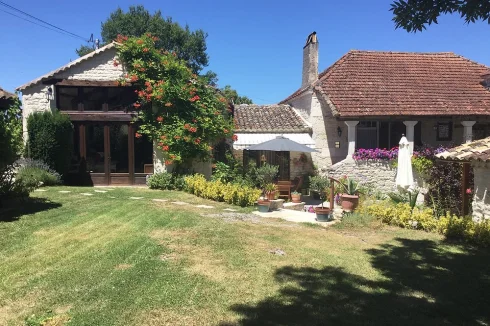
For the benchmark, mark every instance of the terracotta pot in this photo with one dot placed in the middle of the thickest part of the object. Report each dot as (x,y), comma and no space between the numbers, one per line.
(264,205)
(296,198)
(349,202)
(322,214)
(271,195)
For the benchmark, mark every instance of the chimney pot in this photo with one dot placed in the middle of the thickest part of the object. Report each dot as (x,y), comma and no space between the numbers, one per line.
(310,61)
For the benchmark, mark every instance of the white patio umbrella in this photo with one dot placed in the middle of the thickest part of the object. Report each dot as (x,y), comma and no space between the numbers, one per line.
(404,176)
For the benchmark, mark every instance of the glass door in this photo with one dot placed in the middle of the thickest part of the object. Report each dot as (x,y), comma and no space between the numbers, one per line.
(119,158)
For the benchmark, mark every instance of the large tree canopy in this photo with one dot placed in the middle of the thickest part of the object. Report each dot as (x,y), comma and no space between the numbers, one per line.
(232,96)
(416,15)
(189,46)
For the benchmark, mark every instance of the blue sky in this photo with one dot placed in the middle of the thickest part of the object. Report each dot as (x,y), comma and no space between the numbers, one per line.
(255,46)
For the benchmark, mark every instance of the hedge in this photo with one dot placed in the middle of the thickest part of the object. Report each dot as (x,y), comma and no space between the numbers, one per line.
(50,139)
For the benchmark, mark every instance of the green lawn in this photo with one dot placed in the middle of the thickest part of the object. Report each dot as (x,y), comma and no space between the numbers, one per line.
(97,260)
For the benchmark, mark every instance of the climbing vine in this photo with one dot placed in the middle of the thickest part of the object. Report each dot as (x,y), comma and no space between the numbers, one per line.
(175,107)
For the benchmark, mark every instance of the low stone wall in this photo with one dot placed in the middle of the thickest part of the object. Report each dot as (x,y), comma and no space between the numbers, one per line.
(481,198)
(380,174)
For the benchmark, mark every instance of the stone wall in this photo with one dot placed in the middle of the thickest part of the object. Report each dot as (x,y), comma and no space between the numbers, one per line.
(481,198)
(99,67)
(380,174)
(324,127)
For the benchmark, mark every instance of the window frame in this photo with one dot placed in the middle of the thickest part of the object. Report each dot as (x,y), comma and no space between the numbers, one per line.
(80,98)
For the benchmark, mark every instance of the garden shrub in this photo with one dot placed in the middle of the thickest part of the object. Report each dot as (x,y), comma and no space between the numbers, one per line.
(219,191)
(165,181)
(50,139)
(13,187)
(36,172)
(451,226)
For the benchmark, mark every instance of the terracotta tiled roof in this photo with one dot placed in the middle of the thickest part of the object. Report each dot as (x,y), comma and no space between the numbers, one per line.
(370,83)
(67,66)
(478,150)
(6,95)
(269,118)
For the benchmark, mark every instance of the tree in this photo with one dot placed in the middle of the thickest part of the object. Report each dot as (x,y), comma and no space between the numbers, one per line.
(10,132)
(176,107)
(232,95)
(189,46)
(415,15)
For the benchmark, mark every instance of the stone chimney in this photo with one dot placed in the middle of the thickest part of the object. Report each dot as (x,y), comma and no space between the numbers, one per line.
(310,61)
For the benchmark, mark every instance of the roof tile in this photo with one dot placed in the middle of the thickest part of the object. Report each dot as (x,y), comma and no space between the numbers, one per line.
(269,118)
(478,150)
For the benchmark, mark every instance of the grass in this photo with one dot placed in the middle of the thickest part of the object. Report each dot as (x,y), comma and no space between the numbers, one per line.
(97,260)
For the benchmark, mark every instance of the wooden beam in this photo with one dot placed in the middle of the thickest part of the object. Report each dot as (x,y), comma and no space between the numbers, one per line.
(465,185)
(100,116)
(90,83)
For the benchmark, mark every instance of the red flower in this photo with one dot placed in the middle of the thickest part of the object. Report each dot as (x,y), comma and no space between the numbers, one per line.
(468,191)
(216,113)
(192,129)
(226,131)
(168,162)
(222,99)
(116,63)
(197,140)
(160,119)
(160,144)
(168,104)
(158,97)
(172,156)
(163,137)
(145,50)
(136,105)
(154,38)
(138,135)
(134,78)
(165,148)
(234,137)
(139,42)
(194,120)
(187,126)
(177,137)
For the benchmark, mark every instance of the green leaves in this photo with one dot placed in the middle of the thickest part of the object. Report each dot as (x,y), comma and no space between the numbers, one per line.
(415,15)
(176,107)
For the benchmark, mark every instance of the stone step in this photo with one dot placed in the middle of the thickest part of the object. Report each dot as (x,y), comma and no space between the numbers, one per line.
(294,206)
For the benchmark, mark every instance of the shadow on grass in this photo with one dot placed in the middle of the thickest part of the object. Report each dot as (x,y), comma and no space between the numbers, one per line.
(425,285)
(15,209)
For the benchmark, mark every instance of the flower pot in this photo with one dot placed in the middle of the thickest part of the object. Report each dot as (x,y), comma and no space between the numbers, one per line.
(322,214)
(271,195)
(296,198)
(264,205)
(349,202)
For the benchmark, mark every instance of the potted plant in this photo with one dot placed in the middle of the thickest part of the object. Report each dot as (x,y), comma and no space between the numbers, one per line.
(320,186)
(350,197)
(270,191)
(296,197)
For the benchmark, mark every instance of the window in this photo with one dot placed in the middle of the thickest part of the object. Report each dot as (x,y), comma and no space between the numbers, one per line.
(444,131)
(68,98)
(94,98)
(367,135)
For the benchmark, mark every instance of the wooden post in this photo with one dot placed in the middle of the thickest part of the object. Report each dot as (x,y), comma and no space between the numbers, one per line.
(465,185)
(332,190)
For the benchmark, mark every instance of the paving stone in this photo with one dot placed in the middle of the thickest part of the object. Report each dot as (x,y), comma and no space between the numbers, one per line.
(179,203)
(40,190)
(100,190)
(204,206)
(230,209)
(86,194)
(64,191)
(135,197)
(160,200)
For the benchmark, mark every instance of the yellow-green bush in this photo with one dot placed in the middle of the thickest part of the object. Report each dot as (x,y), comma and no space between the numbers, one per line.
(220,191)
(450,226)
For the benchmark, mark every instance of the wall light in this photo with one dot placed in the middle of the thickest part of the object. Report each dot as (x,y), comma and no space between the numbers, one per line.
(339,131)
(49,93)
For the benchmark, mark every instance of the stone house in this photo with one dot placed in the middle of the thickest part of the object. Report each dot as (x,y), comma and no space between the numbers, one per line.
(256,124)
(106,149)
(6,98)
(476,154)
(368,99)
